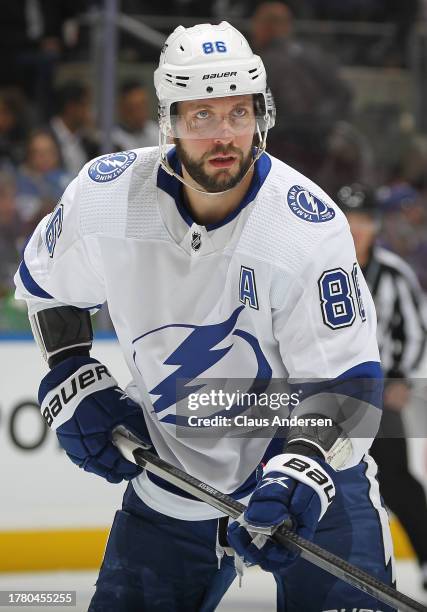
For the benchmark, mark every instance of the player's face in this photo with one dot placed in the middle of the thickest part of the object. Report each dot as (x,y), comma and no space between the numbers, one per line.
(215,140)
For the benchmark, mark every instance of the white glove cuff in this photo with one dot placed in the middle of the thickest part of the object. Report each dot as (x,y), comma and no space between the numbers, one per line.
(306,470)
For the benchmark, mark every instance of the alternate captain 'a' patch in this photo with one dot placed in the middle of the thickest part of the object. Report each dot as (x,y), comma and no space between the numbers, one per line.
(108,167)
(307,206)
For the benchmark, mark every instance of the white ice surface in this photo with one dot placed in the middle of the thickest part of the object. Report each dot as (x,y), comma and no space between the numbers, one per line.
(256,595)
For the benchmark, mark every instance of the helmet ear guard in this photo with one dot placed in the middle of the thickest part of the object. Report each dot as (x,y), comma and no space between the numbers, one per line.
(265,107)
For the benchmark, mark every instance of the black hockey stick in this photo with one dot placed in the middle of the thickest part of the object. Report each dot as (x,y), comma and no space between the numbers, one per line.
(134,450)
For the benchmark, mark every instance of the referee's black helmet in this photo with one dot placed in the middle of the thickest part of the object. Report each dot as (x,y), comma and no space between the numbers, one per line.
(357,198)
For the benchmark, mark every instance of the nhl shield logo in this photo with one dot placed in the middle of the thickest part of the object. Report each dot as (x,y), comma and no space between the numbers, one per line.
(307,206)
(196,241)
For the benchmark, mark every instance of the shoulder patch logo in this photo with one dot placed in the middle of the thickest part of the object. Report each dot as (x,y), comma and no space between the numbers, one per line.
(110,166)
(54,228)
(307,206)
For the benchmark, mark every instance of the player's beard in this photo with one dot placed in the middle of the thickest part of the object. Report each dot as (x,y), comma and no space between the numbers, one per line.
(222,179)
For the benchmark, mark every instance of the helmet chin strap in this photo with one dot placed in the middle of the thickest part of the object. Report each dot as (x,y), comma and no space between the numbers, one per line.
(164,162)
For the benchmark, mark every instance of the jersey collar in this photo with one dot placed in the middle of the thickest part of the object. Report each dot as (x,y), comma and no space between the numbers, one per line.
(174,188)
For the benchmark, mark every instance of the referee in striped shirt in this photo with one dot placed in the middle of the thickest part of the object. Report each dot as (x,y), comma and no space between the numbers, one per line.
(402,324)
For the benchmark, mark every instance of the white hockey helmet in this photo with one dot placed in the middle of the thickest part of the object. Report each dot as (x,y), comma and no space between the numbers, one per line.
(210,61)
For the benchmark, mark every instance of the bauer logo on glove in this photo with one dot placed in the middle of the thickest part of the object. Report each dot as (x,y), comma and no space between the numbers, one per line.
(318,476)
(87,379)
(82,402)
(294,490)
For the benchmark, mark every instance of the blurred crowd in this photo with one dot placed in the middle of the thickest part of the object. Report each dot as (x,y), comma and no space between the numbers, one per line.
(48,127)
(39,158)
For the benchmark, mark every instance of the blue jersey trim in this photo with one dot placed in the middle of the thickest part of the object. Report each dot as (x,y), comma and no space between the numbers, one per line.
(367,369)
(30,284)
(35,289)
(174,188)
(96,307)
(364,382)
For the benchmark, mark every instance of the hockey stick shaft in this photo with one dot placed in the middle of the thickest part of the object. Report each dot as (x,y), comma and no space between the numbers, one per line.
(134,451)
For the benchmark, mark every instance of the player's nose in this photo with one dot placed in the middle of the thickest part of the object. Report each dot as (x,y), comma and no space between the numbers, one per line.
(224,137)
(223,140)
(224,132)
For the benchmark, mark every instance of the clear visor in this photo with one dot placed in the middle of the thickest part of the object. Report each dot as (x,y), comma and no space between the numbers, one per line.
(213,118)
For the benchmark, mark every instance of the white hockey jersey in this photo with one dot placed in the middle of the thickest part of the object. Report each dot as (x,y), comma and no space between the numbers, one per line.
(273,291)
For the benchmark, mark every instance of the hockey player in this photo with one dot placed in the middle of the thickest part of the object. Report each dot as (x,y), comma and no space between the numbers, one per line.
(217,261)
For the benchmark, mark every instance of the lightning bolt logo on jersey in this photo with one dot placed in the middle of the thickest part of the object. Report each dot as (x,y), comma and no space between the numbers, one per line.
(109,167)
(307,206)
(199,352)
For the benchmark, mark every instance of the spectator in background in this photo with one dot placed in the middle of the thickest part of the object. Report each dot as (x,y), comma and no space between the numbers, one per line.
(134,128)
(401,331)
(404,227)
(389,51)
(72,126)
(310,95)
(30,46)
(395,51)
(12,231)
(14,125)
(40,180)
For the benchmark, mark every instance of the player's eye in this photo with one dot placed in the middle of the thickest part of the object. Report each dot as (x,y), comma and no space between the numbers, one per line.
(202,114)
(240,111)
